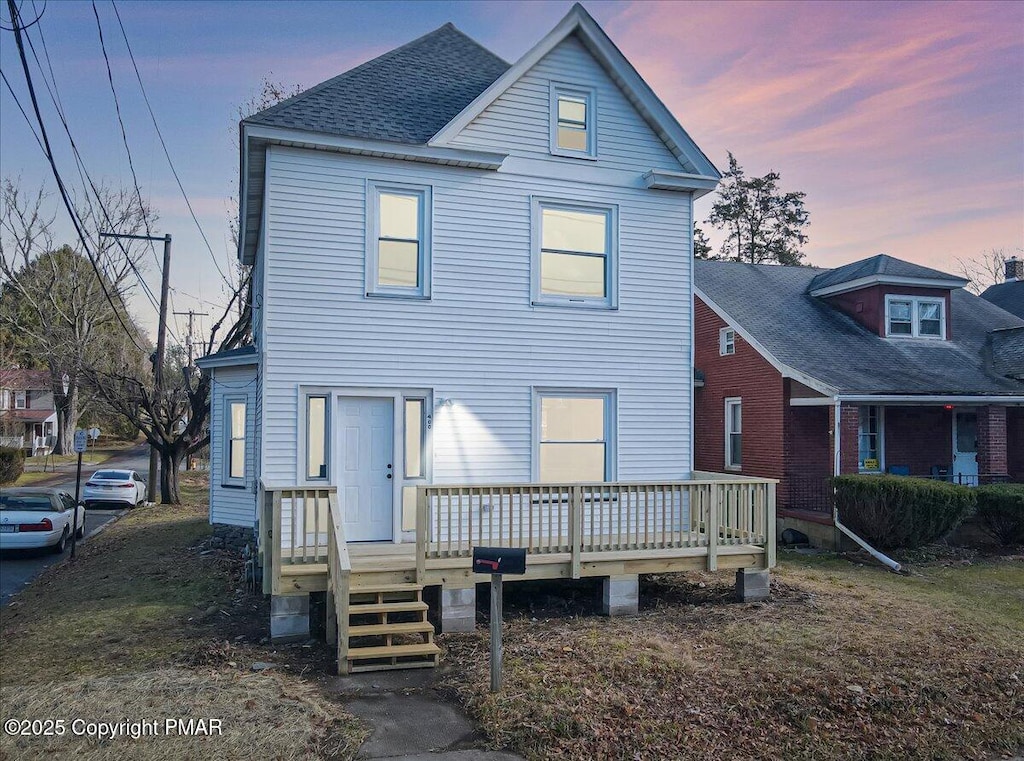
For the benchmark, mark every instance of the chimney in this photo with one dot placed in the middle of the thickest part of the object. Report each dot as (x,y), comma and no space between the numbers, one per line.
(1014,270)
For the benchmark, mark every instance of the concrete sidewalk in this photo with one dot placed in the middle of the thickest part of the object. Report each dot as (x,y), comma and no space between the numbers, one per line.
(410,720)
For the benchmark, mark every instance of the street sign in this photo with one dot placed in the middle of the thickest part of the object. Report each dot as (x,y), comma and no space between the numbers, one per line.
(81,440)
(94,433)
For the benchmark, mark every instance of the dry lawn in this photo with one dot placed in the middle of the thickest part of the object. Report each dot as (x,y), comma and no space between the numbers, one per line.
(148,623)
(844,662)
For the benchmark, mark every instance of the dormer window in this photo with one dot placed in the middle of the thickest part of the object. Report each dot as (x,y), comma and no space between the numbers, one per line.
(915,317)
(572,121)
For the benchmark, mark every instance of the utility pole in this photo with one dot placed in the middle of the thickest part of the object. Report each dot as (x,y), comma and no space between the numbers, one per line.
(192,314)
(161,343)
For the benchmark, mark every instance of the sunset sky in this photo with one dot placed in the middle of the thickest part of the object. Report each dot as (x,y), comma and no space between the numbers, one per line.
(902,122)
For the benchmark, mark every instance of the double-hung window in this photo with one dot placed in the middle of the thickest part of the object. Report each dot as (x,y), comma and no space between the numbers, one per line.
(573,126)
(869,455)
(915,317)
(726,342)
(20,400)
(398,240)
(575,254)
(575,436)
(733,433)
(236,424)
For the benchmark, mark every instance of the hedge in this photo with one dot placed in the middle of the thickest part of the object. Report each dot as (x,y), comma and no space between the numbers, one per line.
(899,512)
(12,464)
(1001,511)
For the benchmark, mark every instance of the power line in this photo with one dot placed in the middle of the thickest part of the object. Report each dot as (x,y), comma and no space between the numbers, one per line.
(163,144)
(56,173)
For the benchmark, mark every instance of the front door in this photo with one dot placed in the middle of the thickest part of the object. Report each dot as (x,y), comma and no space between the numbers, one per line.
(366,459)
(965,448)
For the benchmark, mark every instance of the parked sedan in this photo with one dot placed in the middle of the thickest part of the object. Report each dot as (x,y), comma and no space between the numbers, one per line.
(34,518)
(122,486)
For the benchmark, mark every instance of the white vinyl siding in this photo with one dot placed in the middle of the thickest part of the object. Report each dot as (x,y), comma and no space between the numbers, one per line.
(733,433)
(478,340)
(232,502)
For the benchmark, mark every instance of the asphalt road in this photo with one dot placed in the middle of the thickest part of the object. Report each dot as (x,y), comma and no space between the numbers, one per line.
(19,567)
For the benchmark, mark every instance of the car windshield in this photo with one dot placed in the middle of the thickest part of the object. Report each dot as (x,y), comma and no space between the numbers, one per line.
(112,475)
(33,502)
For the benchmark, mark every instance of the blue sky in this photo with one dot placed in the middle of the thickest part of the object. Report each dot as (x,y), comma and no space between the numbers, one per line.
(903,122)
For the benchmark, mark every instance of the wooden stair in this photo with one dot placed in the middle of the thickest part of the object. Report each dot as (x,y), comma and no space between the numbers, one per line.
(388,629)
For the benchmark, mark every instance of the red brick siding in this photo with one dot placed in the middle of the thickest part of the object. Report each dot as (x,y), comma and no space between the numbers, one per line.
(918,438)
(867,305)
(849,445)
(745,374)
(1015,443)
(808,458)
(992,441)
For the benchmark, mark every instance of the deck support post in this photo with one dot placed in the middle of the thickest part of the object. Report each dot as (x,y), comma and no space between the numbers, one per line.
(752,584)
(289,618)
(620,595)
(458,609)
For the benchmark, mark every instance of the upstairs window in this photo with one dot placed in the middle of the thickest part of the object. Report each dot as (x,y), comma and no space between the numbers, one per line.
(915,317)
(20,400)
(574,255)
(572,121)
(398,241)
(726,342)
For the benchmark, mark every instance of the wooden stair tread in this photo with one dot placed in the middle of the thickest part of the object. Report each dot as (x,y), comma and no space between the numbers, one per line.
(357,609)
(393,651)
(373,588)
(373,630)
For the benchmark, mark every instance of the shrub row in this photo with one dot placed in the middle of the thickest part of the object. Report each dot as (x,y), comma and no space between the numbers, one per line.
(1001,511)
(12,464)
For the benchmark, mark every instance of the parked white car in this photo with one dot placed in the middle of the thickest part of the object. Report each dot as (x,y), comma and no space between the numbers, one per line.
(120,486)
(35,518)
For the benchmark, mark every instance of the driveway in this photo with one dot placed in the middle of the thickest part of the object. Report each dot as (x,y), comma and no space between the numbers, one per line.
(19,567)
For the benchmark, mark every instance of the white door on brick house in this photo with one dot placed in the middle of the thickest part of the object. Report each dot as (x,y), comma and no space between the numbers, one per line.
(965,447)
(366,468)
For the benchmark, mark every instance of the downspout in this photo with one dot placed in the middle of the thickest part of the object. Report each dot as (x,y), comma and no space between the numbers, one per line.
(837,438)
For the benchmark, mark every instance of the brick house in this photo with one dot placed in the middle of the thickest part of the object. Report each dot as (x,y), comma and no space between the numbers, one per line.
(924,378)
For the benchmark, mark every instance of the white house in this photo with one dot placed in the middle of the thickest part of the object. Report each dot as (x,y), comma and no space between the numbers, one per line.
(28,416)
(466,273)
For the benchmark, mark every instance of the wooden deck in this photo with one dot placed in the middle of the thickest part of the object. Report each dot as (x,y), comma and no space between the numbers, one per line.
(569,531)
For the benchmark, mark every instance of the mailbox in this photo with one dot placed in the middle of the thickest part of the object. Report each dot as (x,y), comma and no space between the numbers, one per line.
(499,560)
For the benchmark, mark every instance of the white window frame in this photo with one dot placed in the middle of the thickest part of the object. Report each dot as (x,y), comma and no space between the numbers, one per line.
(915,320)
(726,342)
(880,418)
(611,271)
(21,400)
(576,92)
(374,188)
(611,416)
(227,479)
(731,401)
(426,423)
(328,419)
(5,399)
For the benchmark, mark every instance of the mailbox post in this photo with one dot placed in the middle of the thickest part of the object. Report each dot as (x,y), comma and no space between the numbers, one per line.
(497,561)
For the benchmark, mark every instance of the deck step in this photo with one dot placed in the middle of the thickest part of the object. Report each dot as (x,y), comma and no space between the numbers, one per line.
(373,588)
(393,651)
(377,630)
(356,608)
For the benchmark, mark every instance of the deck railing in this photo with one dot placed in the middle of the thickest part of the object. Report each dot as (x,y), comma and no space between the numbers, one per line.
(295,530)
(709,511)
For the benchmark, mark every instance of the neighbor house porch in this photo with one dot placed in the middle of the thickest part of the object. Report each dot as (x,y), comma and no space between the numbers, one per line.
(611,530)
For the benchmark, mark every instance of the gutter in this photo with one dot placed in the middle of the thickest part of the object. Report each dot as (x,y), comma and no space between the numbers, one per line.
(883,559)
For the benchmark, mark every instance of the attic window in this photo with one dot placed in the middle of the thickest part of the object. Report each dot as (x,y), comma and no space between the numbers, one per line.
(572,121)
(726,342)
(915,317)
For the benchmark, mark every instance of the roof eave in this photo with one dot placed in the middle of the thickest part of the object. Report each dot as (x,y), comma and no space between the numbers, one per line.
(950,284)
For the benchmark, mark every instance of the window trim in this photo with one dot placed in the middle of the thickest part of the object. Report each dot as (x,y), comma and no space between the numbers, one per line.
(426,423)
(611,416)
(915,321)
(611,270)
(578,92)
(880,417)
(328,415)
(226,478)
(374,188)
(21,400)
(725,344)
(731,401)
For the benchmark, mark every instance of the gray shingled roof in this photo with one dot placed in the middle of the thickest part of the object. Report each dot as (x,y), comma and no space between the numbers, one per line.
(772,304)
(1008,296)
(880,264)
(405,95)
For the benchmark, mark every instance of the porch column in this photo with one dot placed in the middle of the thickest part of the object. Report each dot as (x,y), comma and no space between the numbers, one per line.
(992,441)
(847,431)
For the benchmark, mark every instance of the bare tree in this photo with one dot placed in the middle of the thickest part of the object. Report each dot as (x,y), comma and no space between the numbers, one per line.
(985,269)
(62,308)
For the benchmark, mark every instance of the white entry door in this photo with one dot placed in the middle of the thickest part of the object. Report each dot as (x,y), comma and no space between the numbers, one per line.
(366,459)
(965,448)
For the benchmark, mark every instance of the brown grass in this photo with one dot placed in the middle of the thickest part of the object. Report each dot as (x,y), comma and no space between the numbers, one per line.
(149,622)
(844,662)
